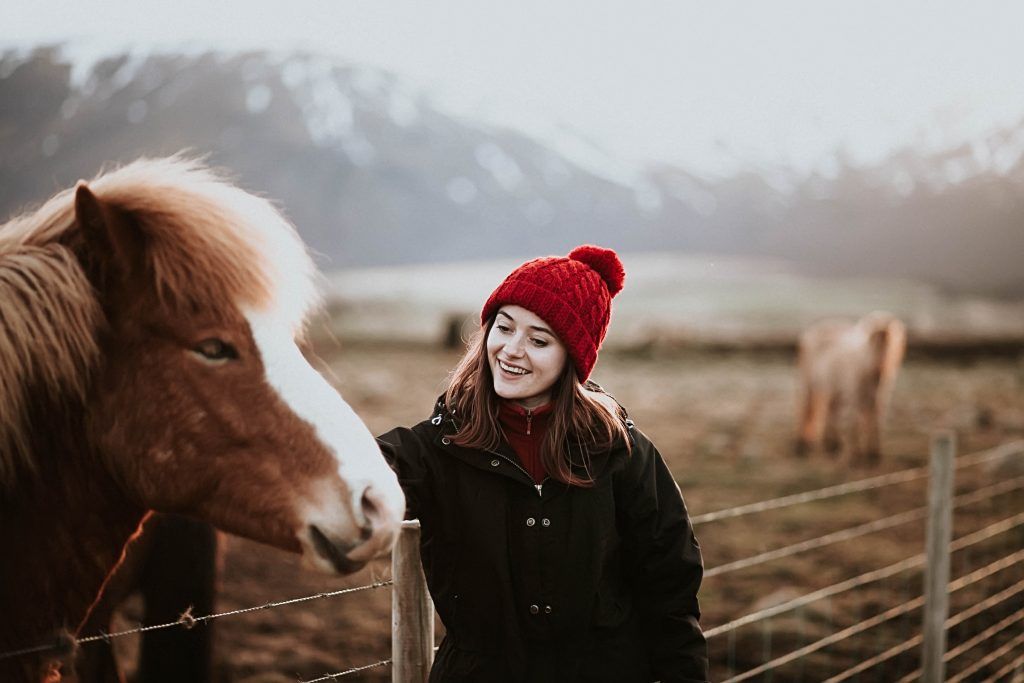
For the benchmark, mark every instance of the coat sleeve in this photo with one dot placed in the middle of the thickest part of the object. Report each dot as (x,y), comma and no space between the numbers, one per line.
(405,451)
(665,566)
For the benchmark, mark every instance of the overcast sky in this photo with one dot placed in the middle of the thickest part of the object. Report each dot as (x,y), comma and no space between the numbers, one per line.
(705,85)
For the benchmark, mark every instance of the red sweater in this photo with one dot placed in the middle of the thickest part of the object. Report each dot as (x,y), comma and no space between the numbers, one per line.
(525,430)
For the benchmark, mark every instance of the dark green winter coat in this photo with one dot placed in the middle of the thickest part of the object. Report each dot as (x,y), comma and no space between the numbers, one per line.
(553,582)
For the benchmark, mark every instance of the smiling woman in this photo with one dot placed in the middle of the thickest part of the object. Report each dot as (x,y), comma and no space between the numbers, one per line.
(555,542)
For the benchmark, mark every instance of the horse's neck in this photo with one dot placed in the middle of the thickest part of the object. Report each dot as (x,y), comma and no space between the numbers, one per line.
(64,530)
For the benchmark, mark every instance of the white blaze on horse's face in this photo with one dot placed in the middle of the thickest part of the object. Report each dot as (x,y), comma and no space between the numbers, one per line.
(349,520)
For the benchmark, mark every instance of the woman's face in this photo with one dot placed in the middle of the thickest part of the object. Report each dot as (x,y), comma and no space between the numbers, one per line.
(525,356)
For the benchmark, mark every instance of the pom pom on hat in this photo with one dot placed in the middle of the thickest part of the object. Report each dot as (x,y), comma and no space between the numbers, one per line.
(605,261)
(573,294)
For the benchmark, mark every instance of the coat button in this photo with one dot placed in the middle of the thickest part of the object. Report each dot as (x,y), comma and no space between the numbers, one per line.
(546,521)
(534,609)
(495,463)
(530,521)
(446,441)
(547,609)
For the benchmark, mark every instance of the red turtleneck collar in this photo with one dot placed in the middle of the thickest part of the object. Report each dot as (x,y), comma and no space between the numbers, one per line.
(525,430)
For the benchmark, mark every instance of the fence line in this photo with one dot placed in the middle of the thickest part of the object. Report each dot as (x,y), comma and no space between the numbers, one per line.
(827,592)
(186,620)
(348,672)
(819,542)
(811,496)
(981,637)
(880,481)
(891,613)
(867,577)
(961,617)
(1015,664)
(916,514)
(859,627)
(987,659)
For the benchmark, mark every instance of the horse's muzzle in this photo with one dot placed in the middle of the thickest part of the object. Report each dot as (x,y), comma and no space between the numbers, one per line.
(374,529)
(334,553)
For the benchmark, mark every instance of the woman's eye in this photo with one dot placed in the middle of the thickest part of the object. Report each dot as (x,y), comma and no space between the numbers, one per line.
(504,328)
(216,350)
(540,342)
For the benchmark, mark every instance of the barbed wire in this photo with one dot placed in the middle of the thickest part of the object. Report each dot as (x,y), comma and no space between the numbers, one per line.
(956,620)
(867,577)
(916,514)
(348,672)
(880,481)
(331,677)
(987,659)
(892,613)
(186,620)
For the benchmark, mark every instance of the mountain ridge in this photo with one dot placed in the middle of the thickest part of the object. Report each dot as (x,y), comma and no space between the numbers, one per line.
(372,173)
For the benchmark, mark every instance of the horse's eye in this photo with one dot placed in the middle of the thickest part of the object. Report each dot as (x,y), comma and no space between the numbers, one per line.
(216,350)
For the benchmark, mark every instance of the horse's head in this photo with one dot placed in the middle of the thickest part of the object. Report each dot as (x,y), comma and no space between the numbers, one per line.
(203,402)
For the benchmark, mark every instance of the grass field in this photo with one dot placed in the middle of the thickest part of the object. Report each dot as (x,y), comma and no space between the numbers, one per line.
(725,425)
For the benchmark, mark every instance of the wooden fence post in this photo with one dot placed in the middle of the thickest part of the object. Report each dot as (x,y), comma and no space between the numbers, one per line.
(936,574)
(412,612)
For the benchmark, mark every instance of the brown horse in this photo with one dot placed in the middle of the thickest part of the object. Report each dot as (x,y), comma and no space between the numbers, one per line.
(846,374)
(149,360)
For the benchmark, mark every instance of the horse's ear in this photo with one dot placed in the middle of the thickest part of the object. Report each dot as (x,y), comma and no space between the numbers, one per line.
(112,243)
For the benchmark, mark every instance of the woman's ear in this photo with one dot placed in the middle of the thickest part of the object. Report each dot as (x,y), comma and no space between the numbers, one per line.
(112,248)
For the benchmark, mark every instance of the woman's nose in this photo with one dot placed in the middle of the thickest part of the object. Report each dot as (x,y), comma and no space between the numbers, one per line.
(514,347)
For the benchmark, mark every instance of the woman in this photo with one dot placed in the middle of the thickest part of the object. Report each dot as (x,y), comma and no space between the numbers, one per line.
(555,542)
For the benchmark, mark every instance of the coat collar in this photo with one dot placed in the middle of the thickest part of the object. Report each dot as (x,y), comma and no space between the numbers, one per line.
(446,423)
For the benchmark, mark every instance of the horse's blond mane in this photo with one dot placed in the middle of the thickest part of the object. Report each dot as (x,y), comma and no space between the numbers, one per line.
(208,245)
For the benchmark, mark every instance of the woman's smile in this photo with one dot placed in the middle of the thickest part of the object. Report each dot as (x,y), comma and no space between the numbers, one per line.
(512,369)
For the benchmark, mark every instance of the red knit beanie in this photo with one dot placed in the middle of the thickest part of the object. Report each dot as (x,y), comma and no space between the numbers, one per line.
(573,294)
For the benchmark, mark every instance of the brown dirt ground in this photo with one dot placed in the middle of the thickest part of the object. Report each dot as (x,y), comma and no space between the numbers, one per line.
(725,424)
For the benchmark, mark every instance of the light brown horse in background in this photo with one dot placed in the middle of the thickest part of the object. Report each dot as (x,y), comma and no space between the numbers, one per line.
(149,360)
(846,375)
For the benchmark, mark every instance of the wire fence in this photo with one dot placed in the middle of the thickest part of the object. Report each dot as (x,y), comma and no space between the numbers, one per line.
(187,620)
(858,486)
(864,579)
(349,672)
(1012,560)
(914,515)
(916,640)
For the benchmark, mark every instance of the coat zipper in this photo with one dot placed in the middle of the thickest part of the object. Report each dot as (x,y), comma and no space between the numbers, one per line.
(539,487)
(529,420)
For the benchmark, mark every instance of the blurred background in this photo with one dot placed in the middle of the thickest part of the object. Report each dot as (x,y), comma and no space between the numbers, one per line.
(758,166)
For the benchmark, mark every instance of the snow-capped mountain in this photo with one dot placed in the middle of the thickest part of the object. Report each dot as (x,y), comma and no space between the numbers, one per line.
(372,172)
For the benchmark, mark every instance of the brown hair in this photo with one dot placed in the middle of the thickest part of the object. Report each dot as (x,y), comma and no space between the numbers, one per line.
(583,417)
